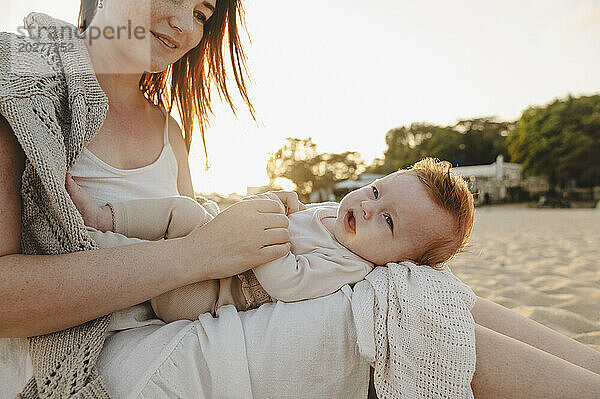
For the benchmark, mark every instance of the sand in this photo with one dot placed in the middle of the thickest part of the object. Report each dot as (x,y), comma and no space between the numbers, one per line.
(542,263)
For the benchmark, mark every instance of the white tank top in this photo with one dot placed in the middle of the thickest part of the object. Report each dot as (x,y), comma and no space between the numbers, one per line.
(106,183)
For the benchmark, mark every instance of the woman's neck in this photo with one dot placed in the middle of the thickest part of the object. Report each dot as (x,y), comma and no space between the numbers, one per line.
(123,92)
(121,88)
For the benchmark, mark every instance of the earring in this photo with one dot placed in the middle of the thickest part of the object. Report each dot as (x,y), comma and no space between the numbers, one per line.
(100,4)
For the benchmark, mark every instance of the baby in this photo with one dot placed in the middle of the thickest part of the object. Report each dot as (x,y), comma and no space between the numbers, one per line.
(423,214)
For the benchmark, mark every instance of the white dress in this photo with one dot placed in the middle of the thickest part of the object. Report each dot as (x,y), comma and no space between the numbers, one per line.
(306,349)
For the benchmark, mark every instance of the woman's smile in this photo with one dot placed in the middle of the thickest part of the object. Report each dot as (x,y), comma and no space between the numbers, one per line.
(165,42)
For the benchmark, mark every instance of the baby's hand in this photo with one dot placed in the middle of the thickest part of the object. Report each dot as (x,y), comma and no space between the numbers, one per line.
(93,215)
(288,199)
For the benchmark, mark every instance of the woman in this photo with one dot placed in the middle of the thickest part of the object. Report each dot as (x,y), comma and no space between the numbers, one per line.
(61,291)
(251,232)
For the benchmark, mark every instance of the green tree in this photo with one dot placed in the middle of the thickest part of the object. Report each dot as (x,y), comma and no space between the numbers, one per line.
(468,142)
(560,141)
(300,162)
(482,140)
(407,145)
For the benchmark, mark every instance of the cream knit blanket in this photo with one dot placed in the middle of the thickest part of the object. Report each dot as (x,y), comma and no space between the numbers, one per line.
(415,328)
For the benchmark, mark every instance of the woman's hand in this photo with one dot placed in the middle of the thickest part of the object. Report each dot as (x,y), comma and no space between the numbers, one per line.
(289,199)
(245,235)
(94,216)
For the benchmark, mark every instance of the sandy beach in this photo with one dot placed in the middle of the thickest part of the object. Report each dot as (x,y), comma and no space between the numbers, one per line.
(542,263)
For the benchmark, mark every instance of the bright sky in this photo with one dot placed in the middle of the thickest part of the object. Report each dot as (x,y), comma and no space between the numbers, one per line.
(345,71)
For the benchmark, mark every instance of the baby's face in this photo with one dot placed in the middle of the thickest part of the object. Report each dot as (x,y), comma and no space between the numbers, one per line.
(390,220)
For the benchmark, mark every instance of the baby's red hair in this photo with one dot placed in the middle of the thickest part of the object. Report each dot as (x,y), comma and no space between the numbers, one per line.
(451,193)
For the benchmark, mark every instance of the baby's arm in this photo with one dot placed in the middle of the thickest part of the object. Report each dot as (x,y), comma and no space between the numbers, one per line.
(174,216)
(155,218)
(171,217)
(149,220)
(297,277)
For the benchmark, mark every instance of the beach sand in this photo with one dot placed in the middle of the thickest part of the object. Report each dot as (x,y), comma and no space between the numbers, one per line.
(542,263)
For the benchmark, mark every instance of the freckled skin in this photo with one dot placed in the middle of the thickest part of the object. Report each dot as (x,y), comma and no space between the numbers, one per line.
(417,219)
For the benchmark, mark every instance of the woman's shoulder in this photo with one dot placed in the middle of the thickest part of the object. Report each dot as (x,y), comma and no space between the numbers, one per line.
(177,142)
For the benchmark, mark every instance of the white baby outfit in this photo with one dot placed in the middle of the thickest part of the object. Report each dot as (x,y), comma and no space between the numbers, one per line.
(317,263)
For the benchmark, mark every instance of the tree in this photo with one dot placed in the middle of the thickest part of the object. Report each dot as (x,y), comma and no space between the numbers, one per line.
(560,141)
(300,162)
(293,161)
(482,140)
(468,142)
(407,145)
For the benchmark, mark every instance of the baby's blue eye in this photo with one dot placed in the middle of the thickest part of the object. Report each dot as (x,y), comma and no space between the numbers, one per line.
(375,192)
(389,221)
(200,17)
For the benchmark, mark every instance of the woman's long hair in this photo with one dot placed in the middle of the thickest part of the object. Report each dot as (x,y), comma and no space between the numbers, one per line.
(187,82)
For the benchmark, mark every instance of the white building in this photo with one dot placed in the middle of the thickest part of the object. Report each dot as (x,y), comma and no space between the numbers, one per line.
(491,181)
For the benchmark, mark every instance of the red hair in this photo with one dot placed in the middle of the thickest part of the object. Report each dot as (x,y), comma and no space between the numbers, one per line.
(451,193)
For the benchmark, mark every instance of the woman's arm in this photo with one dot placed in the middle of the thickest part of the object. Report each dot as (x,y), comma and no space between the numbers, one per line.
(45,293)
(11,169)
(42,294)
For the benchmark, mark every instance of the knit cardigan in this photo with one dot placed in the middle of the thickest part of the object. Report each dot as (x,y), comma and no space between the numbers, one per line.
(51,98)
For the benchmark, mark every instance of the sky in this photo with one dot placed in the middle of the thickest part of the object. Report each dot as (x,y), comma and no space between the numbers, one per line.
(344,72)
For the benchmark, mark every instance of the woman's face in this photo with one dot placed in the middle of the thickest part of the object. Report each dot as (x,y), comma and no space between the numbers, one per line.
(149,35)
